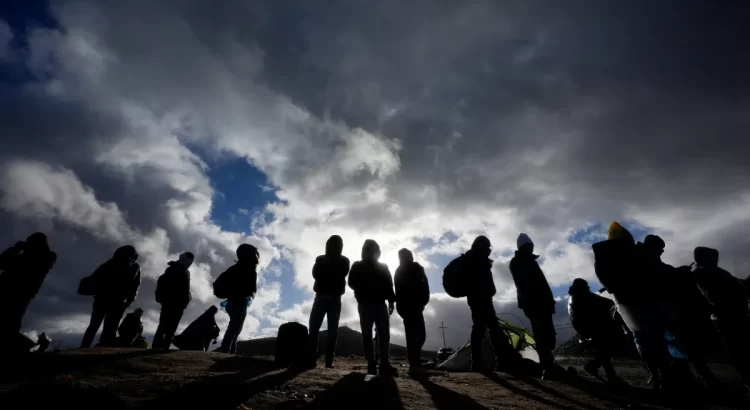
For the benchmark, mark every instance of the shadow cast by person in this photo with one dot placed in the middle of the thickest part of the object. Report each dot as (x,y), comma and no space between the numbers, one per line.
(242,364)
(444,398)
(356,390)
(525,393)
(223,392)
(28,367)
(562,396)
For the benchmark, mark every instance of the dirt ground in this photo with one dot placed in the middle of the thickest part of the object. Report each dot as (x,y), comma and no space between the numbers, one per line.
(138,379)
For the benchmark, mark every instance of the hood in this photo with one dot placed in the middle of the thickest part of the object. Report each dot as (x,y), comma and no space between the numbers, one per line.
(125,253)
(523,240)
(370,250)
(617,231)
(706,257)
(334,246)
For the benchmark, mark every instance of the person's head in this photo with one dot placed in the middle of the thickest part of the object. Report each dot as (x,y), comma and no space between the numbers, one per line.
(481,246)
(334,246)
(37,241)
(524,244)
(654,245)
(247,253)
(138,312)
(405,256)
(212,310)
(126,254)
(579,286)
(706,257)
(370,250)
(186,259)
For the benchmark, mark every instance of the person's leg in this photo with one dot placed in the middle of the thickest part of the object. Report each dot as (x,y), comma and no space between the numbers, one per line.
(505,356)
(112,319)
(160,330)
(97,317)
(334,314)
(239,314)
(174,317)
(383,328)
(478,328)
(366,321)
(12,310)
(415,336)
(544,334)
(316,320)
(737,339)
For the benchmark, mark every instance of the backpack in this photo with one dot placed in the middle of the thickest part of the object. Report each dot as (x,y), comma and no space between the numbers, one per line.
(291,344)
(87,286)
(166,285)
(454,280)
(222,285)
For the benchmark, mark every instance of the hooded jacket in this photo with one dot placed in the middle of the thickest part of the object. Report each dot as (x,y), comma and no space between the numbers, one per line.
(330,270)
(723,291)
(173,287)
(118,279)
(412,288)
(478,270)
(534,292)
(24,269)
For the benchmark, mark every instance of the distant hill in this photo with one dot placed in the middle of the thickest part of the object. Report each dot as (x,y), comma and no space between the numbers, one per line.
(349,343)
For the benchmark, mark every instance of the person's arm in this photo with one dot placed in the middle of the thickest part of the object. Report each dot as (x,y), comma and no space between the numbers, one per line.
(390,295)
(317,268)
(354,277)
(9,253)
(424,286)
(135,285)
(519,279)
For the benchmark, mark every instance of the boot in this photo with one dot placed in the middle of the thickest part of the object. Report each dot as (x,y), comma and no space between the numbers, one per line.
(386,370)
(372,368)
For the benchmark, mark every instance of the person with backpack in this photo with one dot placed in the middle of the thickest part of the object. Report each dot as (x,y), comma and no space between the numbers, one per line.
(329,272)
(199,334)
(114,286)
(470,276)
(131,328)
(238,286)
(412,295)
(24,267)
(729,305)
(591,317)
(173,293)
(372,284)
(536,300)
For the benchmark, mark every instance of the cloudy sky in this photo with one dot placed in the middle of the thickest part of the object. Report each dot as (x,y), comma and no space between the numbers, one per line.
(183,125)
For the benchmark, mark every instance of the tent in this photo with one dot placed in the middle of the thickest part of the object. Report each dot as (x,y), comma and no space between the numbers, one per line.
(520,338)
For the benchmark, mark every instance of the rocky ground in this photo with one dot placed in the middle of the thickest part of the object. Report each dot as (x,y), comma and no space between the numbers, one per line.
(138,379)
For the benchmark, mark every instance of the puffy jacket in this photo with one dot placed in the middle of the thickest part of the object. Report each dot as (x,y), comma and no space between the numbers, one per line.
(330,273)
(371,282)
(24,271)
(412,288)
(534,292)
(478,270)
(173,287)
(117,282)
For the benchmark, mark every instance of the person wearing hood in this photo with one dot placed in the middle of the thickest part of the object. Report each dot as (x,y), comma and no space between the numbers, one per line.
(329,272)
(115,286)
(480,285)
(24,267)
(238,286)
(131,328)
(535,299)
(43,341)
(729,305)
(173,293)
(372,284)
(590,315)
(412,295)
(199,334)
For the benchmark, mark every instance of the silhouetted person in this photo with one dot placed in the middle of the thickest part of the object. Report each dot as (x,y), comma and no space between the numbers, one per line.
(412,295)
(115,286)
(199,334)
(728,304)
(131,328)
(481,288)
(591,316)
(173,293)
(25,265)
(535,299)
(372,284)
(237,285)
(43,341)
(623,267)
(329,272)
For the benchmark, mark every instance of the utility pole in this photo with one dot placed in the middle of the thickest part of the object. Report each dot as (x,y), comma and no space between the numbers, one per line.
(442,327)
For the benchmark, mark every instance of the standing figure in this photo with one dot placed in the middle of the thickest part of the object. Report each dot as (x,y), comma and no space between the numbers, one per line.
(24,267)
(372,284)
(329,272)
(237,285)
(412,295)
(173,293)
(536,300)
(114,286)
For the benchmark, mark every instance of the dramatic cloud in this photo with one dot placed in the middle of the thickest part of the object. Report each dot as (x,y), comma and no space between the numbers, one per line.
(420,125)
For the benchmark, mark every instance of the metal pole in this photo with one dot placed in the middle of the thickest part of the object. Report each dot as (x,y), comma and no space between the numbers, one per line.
(442,327)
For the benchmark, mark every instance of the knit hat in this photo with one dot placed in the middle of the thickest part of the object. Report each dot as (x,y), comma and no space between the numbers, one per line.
(617,231)
(523,240)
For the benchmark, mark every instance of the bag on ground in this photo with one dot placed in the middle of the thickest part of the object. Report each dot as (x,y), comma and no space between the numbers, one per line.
(291,343)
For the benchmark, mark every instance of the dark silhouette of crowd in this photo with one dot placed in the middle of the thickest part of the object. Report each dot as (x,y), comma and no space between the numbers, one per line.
(665,310)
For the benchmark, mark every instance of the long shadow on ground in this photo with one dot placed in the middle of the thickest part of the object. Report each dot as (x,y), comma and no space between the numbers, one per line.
(444,398)
(357,391)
